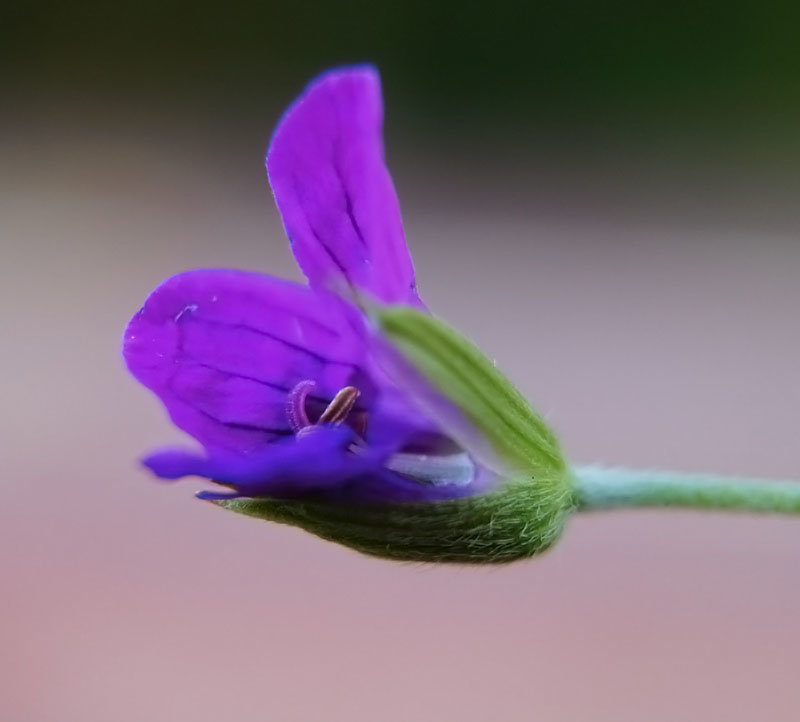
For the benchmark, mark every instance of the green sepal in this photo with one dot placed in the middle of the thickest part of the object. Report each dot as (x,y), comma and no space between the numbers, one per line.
(458,370)
(521,519)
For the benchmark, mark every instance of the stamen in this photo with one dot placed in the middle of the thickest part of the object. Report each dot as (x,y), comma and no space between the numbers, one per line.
(335,413)
(296,405)
(340,407)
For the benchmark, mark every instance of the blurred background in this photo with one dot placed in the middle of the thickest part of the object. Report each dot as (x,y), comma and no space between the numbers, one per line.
(602,195)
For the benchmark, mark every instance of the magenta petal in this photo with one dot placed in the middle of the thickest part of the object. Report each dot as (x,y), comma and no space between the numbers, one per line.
(171,464)
(339,208)
(223,349)
(291,468)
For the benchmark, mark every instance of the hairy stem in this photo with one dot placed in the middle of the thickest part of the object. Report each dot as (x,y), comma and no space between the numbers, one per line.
(609,488)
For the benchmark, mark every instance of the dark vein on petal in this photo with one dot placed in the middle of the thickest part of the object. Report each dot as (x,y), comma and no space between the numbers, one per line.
(348,201)
(333,257)
(234,425)
(262,382)
(238,425)
(260,332)
(297,188)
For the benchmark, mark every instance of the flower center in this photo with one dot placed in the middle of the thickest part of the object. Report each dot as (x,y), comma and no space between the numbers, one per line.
(335,413)
(428,461)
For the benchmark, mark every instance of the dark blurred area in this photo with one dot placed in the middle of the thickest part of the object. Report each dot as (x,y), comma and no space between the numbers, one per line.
(715,68)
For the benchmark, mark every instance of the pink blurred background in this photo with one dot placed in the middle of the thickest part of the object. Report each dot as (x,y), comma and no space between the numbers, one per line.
(646,304)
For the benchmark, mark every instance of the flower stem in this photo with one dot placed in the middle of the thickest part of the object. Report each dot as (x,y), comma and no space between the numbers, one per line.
(609,488)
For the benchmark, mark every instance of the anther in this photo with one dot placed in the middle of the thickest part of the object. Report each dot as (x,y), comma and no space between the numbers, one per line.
(340,407)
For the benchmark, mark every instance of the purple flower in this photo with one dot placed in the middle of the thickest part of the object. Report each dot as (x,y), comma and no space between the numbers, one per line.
(288,388)
(388,433)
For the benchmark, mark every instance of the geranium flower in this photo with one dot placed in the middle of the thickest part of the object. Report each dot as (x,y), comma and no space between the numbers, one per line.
(342,406)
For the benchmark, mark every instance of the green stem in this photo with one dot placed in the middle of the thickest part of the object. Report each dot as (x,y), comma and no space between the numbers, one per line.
(608,488)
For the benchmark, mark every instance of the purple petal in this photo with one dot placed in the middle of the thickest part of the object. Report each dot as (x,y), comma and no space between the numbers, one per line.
(318,464)
(311,463)
(339,208)
(223,349)
(171,464)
